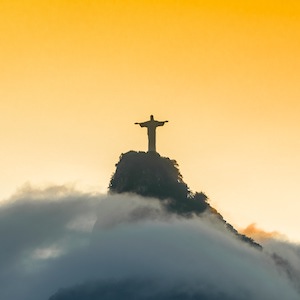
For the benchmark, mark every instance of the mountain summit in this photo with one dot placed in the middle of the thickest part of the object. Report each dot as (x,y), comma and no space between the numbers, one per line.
(169,244)
(150,175)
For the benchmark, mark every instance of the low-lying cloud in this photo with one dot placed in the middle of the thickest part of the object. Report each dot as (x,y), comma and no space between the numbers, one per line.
(125,246)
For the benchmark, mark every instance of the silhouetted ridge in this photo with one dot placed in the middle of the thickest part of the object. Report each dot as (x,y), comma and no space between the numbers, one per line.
(150,175)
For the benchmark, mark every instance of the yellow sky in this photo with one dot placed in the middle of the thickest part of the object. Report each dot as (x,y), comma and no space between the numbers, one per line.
(76,75)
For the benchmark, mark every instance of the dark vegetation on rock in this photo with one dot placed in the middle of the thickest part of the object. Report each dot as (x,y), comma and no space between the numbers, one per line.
(150,175)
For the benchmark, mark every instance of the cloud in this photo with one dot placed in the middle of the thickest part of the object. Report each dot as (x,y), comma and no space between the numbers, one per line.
(259,234)
(285,254)
(103,245)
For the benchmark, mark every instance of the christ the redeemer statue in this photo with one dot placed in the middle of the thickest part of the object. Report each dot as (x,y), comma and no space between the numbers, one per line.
(151,128)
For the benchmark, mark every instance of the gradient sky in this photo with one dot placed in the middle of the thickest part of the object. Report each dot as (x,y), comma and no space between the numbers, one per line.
(76,75)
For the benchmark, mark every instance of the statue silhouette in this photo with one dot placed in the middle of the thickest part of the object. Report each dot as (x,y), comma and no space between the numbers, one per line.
(151,128)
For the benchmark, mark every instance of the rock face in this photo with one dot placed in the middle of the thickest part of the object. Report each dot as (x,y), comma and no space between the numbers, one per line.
(150,175)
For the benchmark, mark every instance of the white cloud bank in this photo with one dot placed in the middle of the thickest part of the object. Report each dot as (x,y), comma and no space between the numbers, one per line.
(49,241)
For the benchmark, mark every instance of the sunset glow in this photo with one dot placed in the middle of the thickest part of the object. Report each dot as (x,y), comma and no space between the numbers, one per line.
(76,75)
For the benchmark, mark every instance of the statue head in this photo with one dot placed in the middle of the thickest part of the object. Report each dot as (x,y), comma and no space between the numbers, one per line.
(151,117)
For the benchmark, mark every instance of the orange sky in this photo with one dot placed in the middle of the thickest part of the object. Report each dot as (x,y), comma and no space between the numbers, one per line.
(76,75)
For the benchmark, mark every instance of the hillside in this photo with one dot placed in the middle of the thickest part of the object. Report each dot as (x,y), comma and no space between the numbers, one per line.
(150,175)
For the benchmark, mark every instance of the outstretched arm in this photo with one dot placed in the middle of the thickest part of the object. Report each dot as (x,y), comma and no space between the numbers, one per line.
(161,123)
(143,124)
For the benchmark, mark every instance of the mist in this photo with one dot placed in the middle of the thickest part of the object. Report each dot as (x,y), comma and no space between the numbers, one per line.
(59,243)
